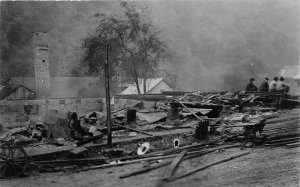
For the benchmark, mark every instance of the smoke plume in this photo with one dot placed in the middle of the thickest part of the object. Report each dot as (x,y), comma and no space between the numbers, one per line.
(215,44)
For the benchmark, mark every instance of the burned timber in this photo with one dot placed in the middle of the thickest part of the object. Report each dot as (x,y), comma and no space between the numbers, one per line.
(175,127)
(150,93)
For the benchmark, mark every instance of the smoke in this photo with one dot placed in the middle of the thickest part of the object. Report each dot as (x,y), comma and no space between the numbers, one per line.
(221,44)
(215,44)
(67,23)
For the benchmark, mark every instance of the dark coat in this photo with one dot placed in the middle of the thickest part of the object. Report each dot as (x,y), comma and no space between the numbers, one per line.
(264,87)
(251,87)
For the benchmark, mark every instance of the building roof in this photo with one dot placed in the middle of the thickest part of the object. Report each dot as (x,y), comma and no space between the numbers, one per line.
(5,82)
(150,84)
(9,89)
(69,87)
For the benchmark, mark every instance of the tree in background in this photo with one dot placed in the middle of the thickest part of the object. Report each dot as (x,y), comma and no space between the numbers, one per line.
(136,47)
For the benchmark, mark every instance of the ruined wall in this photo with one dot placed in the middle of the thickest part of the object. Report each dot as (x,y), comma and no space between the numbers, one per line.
(20,113)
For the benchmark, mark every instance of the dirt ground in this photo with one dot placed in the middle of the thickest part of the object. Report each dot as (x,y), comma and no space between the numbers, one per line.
(262,167)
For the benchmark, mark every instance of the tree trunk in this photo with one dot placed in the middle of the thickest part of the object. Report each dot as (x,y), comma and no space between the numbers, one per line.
(137,86)
(145,88)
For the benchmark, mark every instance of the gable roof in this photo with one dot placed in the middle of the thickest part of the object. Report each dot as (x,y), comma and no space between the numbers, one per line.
(150,84)
(5,82)
(15,87)
(7,90)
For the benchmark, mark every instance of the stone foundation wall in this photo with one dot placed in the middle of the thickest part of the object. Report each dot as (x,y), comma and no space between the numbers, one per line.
(20,113)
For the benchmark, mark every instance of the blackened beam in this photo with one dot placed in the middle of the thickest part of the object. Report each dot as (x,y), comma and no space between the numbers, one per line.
(145,97)
(178,93)
(198,105)
(160,97)
(269,94)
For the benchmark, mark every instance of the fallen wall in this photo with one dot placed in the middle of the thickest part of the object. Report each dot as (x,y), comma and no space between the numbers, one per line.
(20,113)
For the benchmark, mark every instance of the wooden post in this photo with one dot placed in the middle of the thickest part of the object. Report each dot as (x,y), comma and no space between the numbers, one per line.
(108,119)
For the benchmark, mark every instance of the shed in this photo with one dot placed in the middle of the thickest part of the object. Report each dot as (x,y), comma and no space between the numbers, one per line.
(18,92)
(153,86)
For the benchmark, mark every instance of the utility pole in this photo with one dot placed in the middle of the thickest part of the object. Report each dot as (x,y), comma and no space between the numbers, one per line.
(108,119)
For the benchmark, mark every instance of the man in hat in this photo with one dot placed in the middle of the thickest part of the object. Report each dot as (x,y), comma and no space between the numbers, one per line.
(272,85)
(251,87)
(264,87)
(281,86)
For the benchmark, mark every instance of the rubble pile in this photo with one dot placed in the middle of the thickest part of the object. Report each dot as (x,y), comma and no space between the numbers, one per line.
(25,135)
(179,126)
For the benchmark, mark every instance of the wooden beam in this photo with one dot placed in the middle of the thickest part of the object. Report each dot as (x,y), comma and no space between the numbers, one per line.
(201,120)
(284,119)
(207,166)
(190,155)
(89,139)
(144,170)
(200,105)
(284,139)
(291,145)
(171,169)
(281,143)
(142,132)
(144,97)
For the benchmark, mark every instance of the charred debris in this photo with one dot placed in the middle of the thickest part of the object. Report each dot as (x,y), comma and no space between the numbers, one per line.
(158,130)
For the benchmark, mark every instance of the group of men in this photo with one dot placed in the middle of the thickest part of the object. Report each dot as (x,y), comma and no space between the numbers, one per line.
(276,85)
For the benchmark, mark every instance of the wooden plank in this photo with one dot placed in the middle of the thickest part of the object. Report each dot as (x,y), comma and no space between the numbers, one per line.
(89,139)
(207,166)
(79,151)
(171,169)
(128,162)
(175,93)
(172,151)
(285,139)
(284,119)
(144,97)
(284,132)
(190,155)
(142,132)
(144,170)
(280,130)
(281,143)
(291,145)
(270,128)
(189,110)
(200,105)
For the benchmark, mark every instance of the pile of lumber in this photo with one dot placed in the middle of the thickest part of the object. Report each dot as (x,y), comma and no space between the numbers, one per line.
(283,130)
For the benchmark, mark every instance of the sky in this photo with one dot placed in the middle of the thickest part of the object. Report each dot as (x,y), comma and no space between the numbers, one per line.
(215,44)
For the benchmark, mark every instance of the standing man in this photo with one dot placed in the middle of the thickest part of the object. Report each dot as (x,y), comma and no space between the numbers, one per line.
(251,87)
(264,87)
(281,86)
(272,85)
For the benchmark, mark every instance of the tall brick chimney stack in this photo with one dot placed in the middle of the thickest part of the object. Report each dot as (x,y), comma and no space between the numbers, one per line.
(41,64)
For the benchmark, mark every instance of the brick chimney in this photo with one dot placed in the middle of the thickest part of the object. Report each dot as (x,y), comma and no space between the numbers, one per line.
(41,64)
